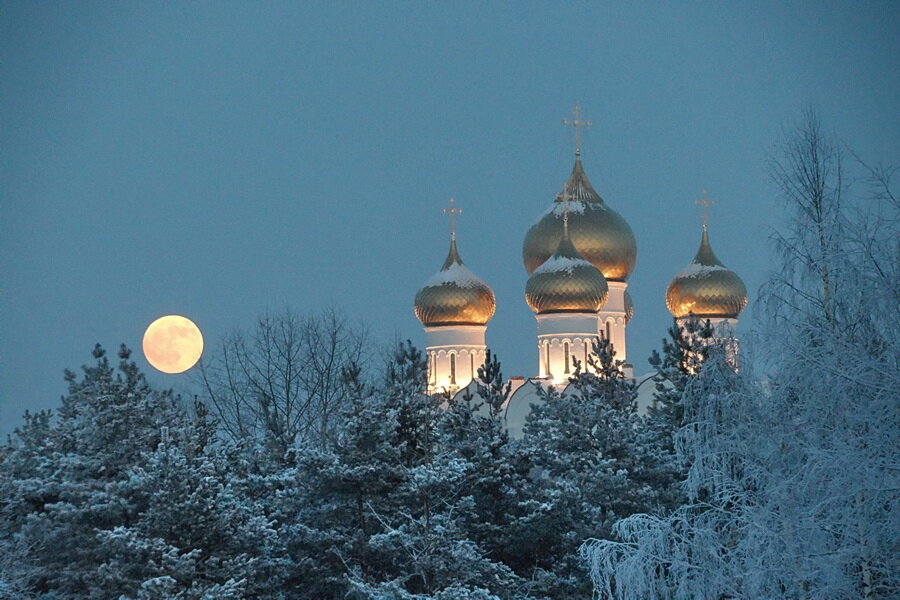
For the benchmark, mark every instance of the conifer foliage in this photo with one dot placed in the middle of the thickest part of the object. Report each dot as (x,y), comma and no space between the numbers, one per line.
(125,494)
(128,493)
(588,450)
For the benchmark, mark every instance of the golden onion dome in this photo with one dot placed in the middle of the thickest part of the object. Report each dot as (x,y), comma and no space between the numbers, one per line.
(629,308)
(706,287)
(454,296)
(566,282)
(599,233)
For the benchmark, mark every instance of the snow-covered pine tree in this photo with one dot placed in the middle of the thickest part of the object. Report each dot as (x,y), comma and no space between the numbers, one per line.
(62,479)
(328,506)
(126,496)
(690,344)
(682,358)
(385,512)
(587,447)
(425,543)
(499,480)
(195,535)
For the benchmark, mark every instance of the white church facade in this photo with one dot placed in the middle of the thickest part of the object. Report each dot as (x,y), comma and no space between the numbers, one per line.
(579,255)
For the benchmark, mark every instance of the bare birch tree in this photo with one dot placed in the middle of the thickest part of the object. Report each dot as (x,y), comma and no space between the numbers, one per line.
(283,381)
(794,488)
(807,169)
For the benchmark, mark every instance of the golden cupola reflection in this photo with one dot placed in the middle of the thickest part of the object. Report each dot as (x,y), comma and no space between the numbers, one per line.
(599,233)
(566,282)
(706,287)
(454,296)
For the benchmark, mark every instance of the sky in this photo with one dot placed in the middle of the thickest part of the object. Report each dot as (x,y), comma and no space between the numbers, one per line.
(218,160)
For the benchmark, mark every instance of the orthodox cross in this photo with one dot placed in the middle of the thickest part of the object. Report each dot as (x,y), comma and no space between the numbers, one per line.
(453,212)
(704,204)
(577,123)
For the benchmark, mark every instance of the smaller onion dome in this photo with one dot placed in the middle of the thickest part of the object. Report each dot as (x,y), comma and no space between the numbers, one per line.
(629,308)
(706,287)
(566,282)
(454,296)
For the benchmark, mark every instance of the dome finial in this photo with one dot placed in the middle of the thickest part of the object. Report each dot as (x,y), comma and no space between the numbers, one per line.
(704,203)
(452,256)
(453,212)
(577,123)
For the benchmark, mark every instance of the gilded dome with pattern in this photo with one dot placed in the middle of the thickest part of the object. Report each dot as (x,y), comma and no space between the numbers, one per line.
(566,282)
(454,296)
(706,287)
(599,233)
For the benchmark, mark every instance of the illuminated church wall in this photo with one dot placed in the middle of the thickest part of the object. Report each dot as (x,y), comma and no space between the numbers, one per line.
(612,319)
(454,355)
(560,337)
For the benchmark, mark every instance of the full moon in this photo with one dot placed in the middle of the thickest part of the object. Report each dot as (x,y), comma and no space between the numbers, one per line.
(173,344)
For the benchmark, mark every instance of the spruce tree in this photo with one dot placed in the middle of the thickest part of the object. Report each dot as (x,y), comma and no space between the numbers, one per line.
(125,495)
(499,480)
(683,356)
(586,444)
(387,511)
(64,477)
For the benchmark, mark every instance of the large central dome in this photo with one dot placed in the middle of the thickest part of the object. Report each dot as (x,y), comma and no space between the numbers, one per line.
(599,233)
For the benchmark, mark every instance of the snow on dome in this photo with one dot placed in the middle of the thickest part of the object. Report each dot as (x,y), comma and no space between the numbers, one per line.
(557,263)
(454,296)
(566,282)
(695,269)
(706,287)
(457,273)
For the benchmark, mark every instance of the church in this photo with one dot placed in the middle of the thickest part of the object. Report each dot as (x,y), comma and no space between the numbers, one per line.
(579,255)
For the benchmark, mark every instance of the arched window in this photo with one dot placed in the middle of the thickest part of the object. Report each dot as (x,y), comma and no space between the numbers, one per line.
(586,354)
(453,369)
(608,332)
(566,351)
(471,365)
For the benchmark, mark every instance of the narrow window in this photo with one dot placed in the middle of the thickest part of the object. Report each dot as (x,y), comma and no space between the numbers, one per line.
(585,354)
(566,350)
(471,365)
(547,364)
(608,334)
(452,369)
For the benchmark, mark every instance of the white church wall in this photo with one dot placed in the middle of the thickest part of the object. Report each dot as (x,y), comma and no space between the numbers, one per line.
(454,354)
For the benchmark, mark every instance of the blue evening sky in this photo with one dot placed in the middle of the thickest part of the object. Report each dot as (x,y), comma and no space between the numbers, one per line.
(215,159)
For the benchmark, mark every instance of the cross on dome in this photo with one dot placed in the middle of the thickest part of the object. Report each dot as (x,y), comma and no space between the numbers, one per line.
(704,203)
(453,212)
(577,123)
